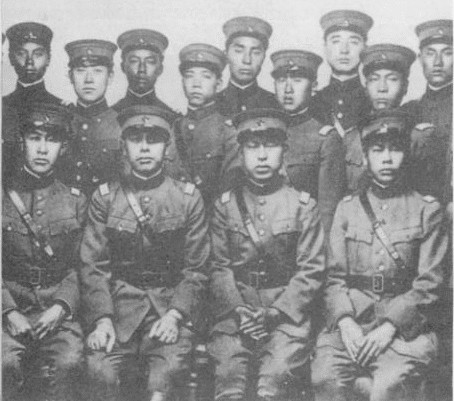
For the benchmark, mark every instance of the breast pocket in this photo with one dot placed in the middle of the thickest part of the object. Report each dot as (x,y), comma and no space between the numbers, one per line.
(359,246)
(407,242)
(239,240)
(285,240)
(301,168)
(123,238)
(207,166)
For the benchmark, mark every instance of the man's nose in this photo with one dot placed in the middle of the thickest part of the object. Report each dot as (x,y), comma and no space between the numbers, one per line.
(246,58)
(262,153)
(288,86)
(29,60)
(383,85)
(438,59)
(88,76)
(42,147)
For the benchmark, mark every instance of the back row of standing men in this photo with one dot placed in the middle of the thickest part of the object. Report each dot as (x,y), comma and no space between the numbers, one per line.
(154,222)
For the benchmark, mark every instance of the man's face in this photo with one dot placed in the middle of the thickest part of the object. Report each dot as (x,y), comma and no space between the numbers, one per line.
(90,83)
(292,92)
(145,152)
(245,57)
(342,49)
(142,68)
(436,61)
(384,160)
(30,61)
(262,158)
(41,150)
(200,85)
(385,88)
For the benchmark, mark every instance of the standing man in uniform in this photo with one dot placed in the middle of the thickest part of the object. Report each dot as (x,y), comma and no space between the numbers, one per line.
(247,40)
(268,264)
(204,144)
(143,254)
(343,103)
(385,264)
(42,223)
(142,62)
(94,153)
(315,159)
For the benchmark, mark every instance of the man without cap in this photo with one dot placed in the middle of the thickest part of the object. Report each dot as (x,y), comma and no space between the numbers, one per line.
(385,257)
(247,40)
(142,54)
(267,266)
(386,68)
(343,103)
(94,153)
(143,254)
(315,159)
(204,146)
(42,221)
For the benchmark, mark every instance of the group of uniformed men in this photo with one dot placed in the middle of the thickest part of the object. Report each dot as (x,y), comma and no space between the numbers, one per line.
(131,232)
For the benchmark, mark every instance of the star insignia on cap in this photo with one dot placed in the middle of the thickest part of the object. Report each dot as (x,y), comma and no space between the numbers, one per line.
(290,63)
(146,121)
(89,51)
(141,41)
(40,123)
(199,57)
(31,35)
(383,129)
(345,23)
(441,32)
(383,56)
(250,29)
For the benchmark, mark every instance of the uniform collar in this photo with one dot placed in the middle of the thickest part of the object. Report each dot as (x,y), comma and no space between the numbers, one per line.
(92,110)
(264,189)
(202,112)
(249,88)
(151,93)
(33,87)
(300,117)
(437,93)
(139,182)
(349,84)
(28,180)
(29,85)
(396,189)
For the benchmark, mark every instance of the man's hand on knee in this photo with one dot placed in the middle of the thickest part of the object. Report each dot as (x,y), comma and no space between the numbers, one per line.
(248,325)
(103,336)
(166,329)
(17,324)
(49,320)
(352,336)
(375,343)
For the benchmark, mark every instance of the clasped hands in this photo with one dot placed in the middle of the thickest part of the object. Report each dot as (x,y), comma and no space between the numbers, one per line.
(365,348)
(257,323)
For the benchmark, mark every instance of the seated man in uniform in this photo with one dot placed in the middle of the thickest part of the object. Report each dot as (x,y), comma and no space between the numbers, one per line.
(204,143)
(143,254)
(385,269)
(268,264)
(315,160)
(42,344)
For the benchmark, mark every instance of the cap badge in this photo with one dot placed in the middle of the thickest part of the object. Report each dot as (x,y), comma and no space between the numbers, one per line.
(440,31)
(31,35)
(199,57)
(383,56)
(260,125)
(383,129)
(147,121)
(345,23)
(89,51)
(290,63)
(141,41)
(249,29)
(40,123)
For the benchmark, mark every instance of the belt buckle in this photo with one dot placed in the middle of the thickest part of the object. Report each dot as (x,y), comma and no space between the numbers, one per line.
(34,276)
(257,279)
(378,283)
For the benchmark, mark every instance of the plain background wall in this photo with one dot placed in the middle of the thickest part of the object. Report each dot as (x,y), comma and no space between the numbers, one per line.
(295,24)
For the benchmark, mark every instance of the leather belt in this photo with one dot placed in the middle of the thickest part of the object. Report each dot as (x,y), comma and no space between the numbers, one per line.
(260,277)
(143,279)
(36,276)
(378,284)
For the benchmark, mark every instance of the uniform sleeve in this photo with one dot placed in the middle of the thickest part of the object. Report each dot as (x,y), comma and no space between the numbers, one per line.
(190,291)
(319,109)
(331,179)
(223,290)
(337,300)
(409,311)
(94,253)
(68,292)
(231,150)
(297,298)
(8,303)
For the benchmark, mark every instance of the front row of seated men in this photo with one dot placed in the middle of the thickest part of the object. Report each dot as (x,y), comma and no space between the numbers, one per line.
(89,292)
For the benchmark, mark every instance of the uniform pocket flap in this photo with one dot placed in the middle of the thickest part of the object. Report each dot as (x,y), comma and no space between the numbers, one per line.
(120,224)
(284,226)
(361,235)
(405,235)
(170,223)
(237,226)
(64,226)
(10,224)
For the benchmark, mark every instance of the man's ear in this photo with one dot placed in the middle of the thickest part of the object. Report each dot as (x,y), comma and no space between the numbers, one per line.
(64,148)
(122,65)
(123,147)
(160,69)
(110,78)
(420,58)
(219,84)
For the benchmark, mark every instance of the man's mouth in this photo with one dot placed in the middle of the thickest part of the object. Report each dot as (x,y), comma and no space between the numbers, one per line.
(41,162)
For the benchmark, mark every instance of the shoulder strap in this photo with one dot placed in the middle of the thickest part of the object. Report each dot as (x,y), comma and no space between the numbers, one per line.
(338,126)
(247,220)
(30,223)
(135,206)
(379,232)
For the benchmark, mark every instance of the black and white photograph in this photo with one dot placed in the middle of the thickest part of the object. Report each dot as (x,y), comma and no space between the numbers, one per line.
(211,200)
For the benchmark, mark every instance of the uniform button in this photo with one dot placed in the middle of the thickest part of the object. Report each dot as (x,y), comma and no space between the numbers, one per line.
(208,155)
(98,120)
(84,138)
(104,150)
(261,233)
(381,268)
(340,115)
(146,199)
(84,127)
(384,207)
(340,101)
(120,227)
(95,179)
(191,126)
(39,226)
(39,197)
(9,228)
(243,107)
(78,177)
(79,164)
(182,178)
(262,201)
(39,212)
(261,217)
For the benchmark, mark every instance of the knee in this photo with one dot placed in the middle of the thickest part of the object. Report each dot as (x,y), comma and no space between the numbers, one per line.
(11,362)
(69,361)
(100,369)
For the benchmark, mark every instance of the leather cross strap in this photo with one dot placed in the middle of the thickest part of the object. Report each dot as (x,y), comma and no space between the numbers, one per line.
(379,232)
(247,221)
(32,227)
(338,126)
(135,206)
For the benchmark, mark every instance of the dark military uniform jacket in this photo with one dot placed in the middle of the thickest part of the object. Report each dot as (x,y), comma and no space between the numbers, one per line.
(358,261)
(314,162)
(11,153)
(346,100)
(131,99)
(202,150)
(129,270)
(432,143)
(288,224)
(59,213)
(94,154)
(29,94)
(355,167)
(233,99)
